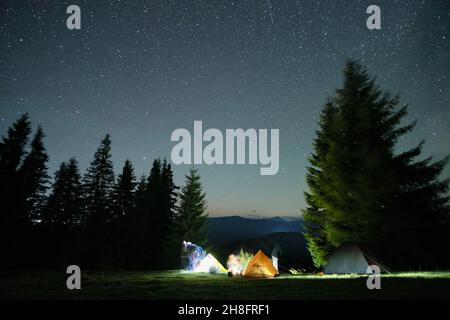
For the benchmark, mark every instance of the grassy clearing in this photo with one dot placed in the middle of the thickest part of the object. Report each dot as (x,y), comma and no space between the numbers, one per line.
(182,285)
(408,275)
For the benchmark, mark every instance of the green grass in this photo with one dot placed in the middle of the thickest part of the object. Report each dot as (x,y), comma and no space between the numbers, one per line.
(410,275)
(182,285)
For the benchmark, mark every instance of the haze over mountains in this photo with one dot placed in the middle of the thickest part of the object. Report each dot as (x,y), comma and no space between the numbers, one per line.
(234,228)
(231,234)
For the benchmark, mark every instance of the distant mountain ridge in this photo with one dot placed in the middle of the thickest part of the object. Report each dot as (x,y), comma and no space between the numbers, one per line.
(236,228)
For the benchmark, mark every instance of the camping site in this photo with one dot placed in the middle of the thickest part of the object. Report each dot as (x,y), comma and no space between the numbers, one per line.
(240,150)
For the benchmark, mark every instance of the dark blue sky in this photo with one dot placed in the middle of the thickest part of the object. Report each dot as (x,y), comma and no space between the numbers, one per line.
(141,69)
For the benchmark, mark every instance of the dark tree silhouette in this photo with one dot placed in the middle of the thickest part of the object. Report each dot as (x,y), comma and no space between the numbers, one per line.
(97,221)
(124,204)
(64,202)
(12,153)
(123,195)
(155,212)
(131,231)
(34,179)
(192,213)
(12,224)
(141,187)
(145,221)
(62,218)
(98,184)
(169,194)
(168,212)
(191,221)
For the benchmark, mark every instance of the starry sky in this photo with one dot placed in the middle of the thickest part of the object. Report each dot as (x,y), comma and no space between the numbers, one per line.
(141,69)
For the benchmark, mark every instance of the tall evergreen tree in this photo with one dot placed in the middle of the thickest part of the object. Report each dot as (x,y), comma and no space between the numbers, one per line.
(169,193)
(12,147)
(132,231)
(141,186)
(154,214)
(151,219)
(124,191)
(168,213)
(12,224)
(191,222)
(154,185)
(61,218)
(64,203)
(124,203)
(192,213)
(98,184)
(360,190)
(144,223)
(34,179)
(12,153)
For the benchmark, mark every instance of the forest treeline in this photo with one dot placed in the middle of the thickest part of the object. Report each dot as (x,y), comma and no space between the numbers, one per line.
(96,220)
(360,190)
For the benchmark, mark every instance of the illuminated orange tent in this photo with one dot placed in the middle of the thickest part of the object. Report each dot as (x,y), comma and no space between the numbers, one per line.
(260,267)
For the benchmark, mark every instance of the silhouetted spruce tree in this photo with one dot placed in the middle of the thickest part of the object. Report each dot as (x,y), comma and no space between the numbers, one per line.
(168,213)
(169,193)
(12,222)
(151,219)
(145,220)
(133,228)
(154,185)
(191,222)
(62,219)
(98,184)
(124,202)
(63,208)
(124,191)
(34,179)
(192,214)
(360,190)
(12,153)
(140,189)
(153,216)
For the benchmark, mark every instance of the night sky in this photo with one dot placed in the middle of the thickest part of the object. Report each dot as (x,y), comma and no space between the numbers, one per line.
(141,69)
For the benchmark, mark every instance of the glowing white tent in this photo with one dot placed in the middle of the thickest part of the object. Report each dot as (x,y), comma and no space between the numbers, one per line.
(210,264)
(349,258)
